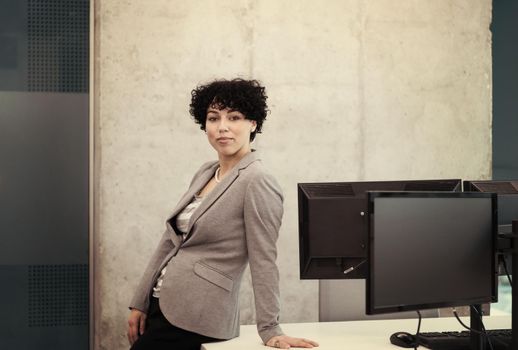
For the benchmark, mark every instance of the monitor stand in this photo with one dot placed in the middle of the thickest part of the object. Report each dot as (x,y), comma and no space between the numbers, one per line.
(477,340)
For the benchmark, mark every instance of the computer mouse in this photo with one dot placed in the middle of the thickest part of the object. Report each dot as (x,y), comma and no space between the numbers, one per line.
(403,339)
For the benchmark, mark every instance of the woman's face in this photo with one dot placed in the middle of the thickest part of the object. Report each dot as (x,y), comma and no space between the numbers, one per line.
(228,132)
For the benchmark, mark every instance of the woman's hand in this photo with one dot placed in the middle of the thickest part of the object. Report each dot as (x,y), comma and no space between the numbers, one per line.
(286,342)
(136,325)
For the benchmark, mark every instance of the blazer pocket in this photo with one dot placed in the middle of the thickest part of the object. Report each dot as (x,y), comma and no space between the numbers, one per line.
(214,276)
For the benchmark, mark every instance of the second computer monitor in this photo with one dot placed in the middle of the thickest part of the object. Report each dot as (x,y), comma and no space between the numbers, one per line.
(507,191)
(431,250)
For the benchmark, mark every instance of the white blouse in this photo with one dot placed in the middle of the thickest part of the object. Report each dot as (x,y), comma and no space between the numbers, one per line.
(182,223)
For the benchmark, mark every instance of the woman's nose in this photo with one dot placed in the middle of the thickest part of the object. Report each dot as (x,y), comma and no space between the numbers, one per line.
(223,125)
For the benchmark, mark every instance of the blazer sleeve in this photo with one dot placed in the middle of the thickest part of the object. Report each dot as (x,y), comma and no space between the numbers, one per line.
(263,210)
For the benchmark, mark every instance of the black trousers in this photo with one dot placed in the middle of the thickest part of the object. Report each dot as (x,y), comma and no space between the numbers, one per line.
(160,334)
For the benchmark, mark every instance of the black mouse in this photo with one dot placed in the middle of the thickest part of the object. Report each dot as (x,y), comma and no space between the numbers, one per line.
(403,339)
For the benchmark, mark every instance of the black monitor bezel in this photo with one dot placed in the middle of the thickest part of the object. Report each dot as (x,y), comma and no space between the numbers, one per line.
(370,307)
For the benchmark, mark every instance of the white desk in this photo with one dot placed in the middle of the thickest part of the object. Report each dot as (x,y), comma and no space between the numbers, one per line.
(357,335)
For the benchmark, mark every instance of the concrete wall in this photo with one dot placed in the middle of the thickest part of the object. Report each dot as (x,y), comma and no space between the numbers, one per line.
(359,90)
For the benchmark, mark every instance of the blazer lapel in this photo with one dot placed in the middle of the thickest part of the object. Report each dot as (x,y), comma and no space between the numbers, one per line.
(196,187)
(220,188)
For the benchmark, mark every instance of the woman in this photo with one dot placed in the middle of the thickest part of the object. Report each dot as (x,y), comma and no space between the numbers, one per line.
(229,216)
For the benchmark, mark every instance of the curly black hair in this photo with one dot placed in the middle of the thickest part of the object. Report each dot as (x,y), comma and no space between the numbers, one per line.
(245,96)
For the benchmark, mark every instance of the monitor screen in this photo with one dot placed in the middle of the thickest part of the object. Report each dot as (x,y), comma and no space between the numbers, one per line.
(333,224)
(430,250)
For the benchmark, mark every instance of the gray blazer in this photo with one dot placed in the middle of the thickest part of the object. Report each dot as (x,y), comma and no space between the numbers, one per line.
(237,223)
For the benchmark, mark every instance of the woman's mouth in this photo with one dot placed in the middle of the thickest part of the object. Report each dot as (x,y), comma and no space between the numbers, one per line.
(223,140)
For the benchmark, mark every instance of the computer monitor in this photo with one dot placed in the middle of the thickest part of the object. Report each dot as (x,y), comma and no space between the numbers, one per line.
(332,229)
(507,197)
(431,250)
(507,191)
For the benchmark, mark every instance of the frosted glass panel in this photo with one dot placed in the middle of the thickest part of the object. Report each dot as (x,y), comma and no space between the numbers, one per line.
(44,135)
